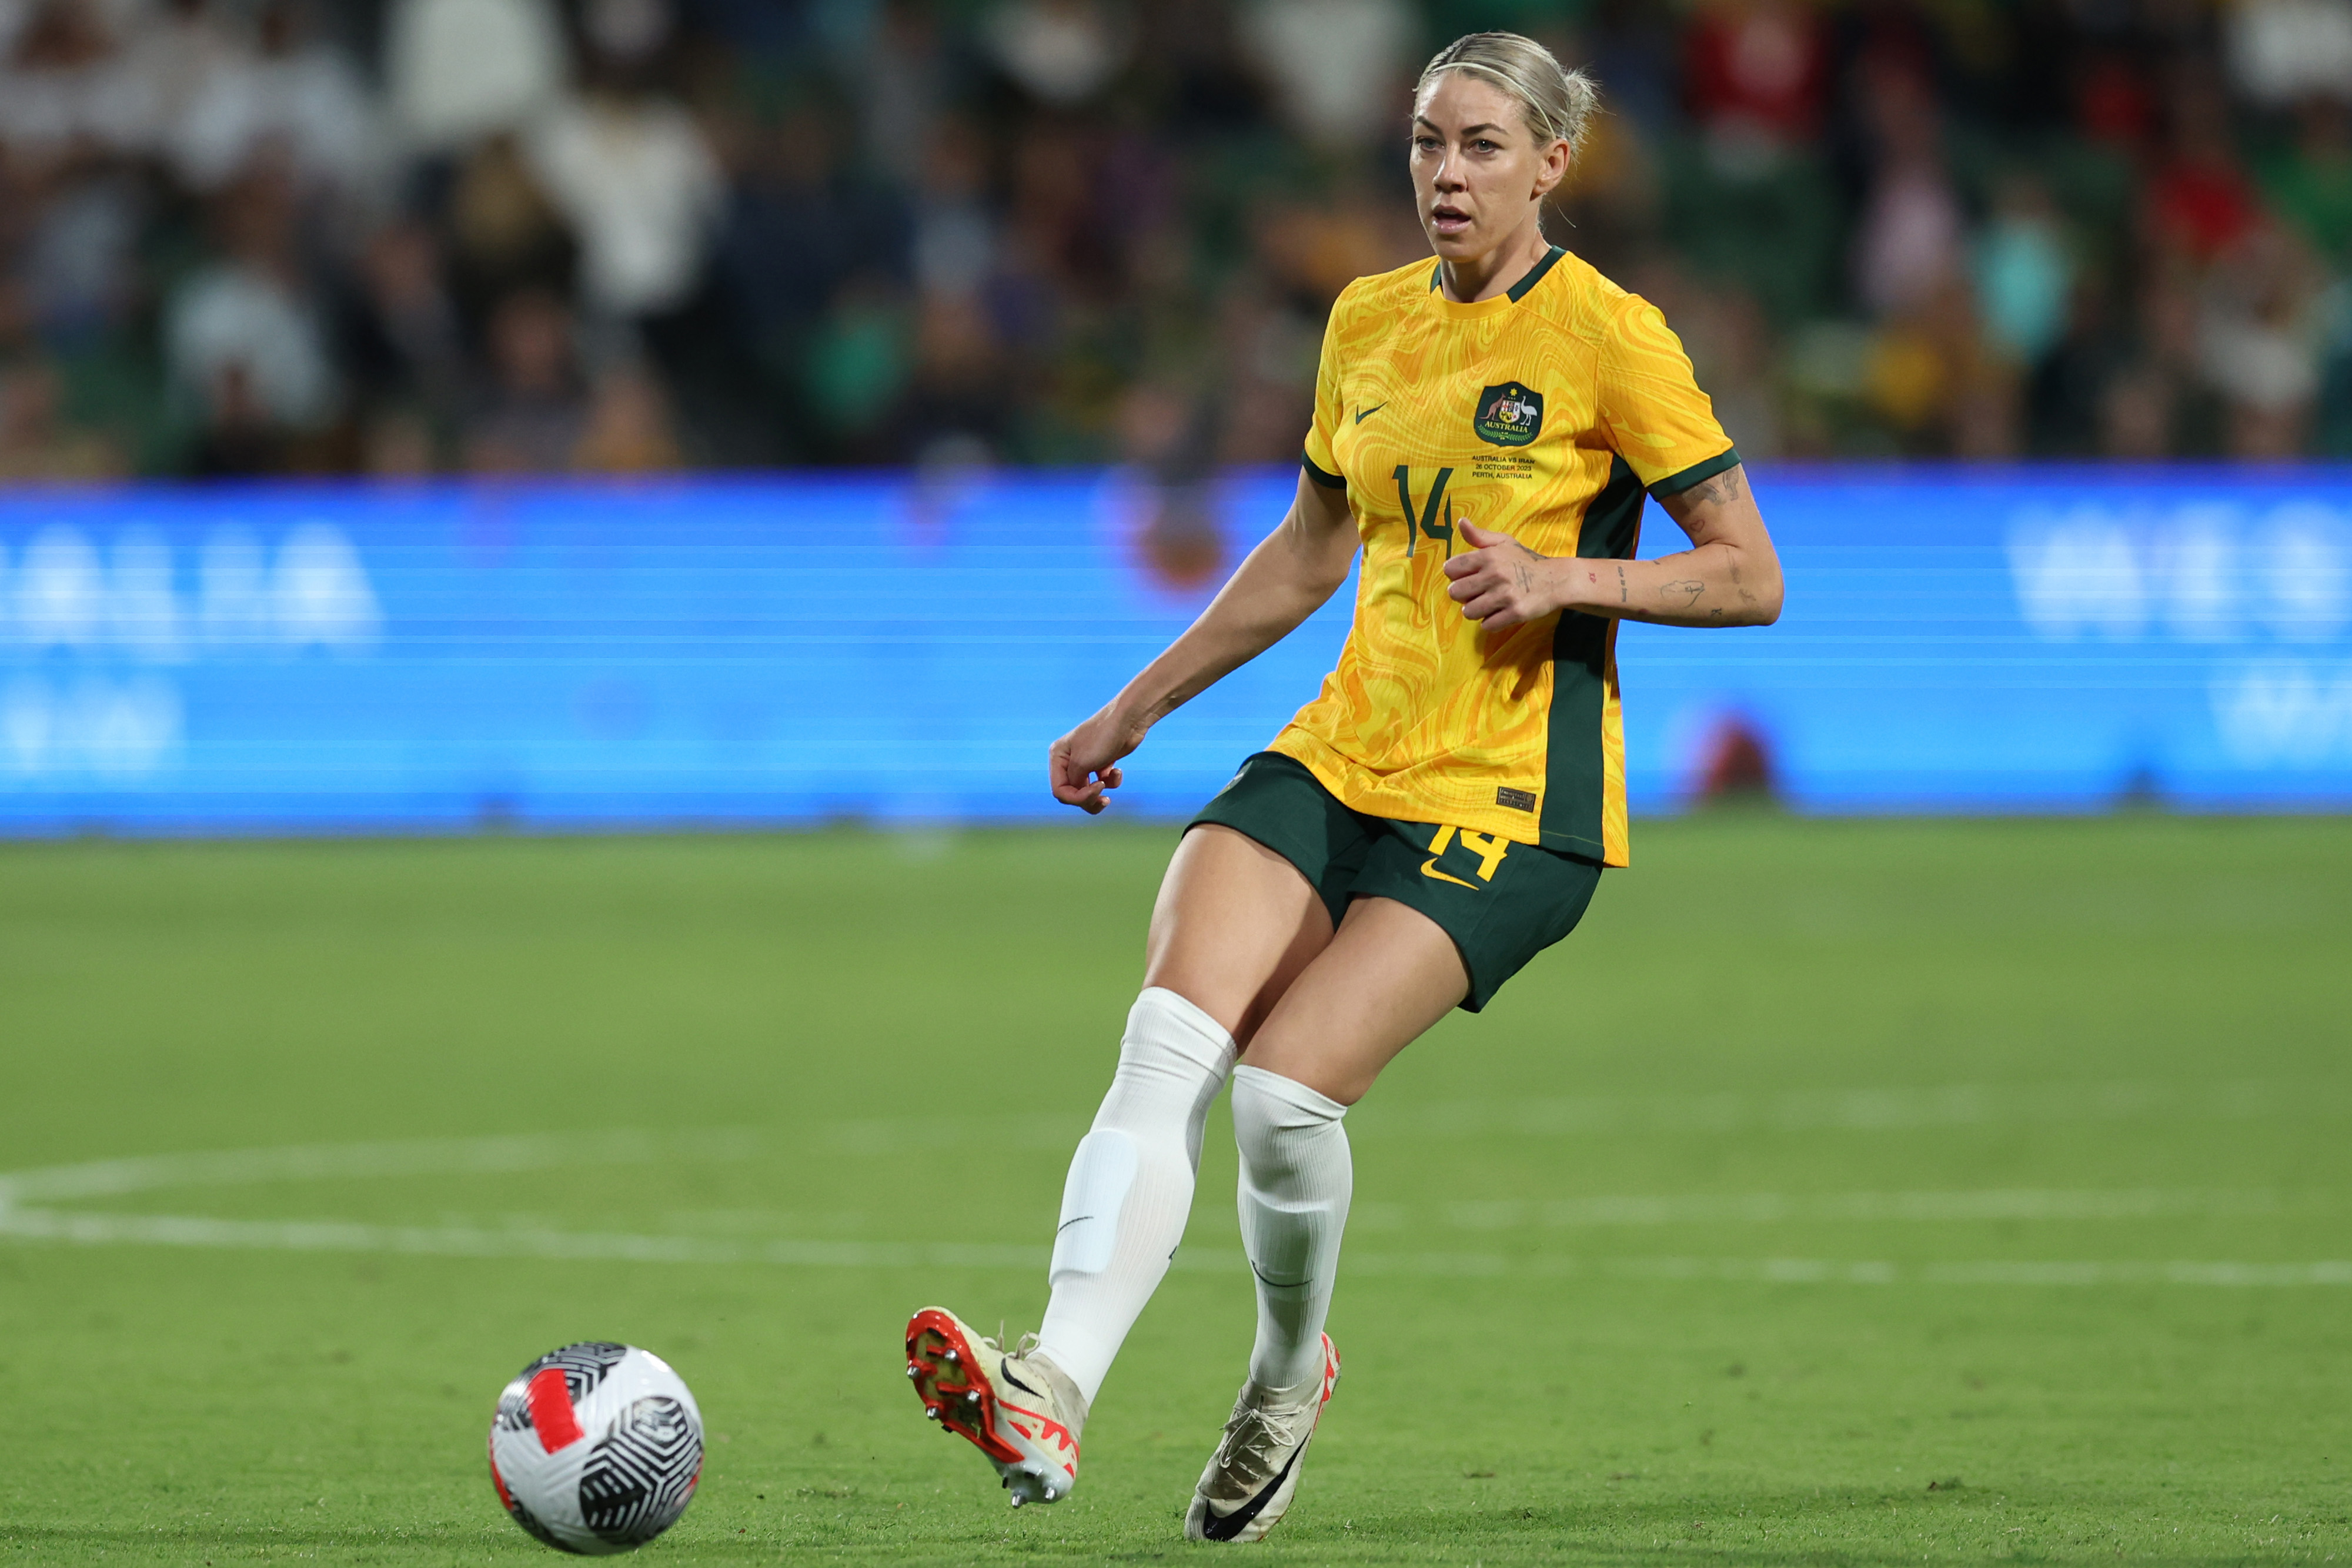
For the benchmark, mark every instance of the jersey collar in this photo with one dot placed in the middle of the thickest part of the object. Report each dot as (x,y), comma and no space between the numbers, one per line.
(1456,311)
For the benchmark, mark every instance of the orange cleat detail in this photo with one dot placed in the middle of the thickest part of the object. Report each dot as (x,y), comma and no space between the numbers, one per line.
(1007,1406)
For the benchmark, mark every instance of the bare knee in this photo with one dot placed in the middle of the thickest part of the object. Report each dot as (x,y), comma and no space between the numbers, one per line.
(1390,975)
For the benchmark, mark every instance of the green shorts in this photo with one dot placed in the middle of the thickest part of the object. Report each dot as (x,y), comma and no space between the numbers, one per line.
(1502,902)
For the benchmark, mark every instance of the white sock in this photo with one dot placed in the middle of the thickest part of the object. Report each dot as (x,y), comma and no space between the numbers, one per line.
(1296,1177)
(1131,1185)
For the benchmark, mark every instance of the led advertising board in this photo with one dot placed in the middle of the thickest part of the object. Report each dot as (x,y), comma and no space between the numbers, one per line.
(902,649)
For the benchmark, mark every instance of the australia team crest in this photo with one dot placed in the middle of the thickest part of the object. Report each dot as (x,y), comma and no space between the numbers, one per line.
(1507,415)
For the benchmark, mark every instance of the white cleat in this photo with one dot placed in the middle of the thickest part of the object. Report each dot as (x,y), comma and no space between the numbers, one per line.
(1015,1405)
(1254,1474)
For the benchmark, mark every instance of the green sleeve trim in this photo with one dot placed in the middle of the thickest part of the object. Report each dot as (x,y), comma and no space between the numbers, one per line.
(1696,474)
(1329,481)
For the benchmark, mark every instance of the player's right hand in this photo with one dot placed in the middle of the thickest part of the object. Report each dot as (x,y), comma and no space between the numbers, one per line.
(1081,765)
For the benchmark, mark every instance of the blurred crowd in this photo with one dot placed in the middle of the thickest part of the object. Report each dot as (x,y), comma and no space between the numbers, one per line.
(409,237)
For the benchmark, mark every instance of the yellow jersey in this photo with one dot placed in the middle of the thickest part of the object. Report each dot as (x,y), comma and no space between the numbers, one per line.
(1545,414)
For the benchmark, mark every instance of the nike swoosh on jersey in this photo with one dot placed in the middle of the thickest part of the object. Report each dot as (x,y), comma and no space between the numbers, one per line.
(1364,414)
(1429,867)
(1234,1523)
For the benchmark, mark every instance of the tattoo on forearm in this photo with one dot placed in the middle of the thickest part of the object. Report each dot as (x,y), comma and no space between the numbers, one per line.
(1621,586)
(1687,589)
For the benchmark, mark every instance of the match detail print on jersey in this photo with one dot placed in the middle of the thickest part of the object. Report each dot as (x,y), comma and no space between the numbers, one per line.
(1546,414)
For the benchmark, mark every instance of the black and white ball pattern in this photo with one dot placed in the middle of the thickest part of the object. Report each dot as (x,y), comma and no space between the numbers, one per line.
(596,1448)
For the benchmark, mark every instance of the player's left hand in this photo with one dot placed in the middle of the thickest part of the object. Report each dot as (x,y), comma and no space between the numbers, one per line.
(1501,583)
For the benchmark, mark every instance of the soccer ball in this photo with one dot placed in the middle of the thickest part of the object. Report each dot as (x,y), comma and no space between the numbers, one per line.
(595,1448)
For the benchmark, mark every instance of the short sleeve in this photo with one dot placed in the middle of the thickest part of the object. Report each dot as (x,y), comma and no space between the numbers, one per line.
(1321,463)
(1652,410)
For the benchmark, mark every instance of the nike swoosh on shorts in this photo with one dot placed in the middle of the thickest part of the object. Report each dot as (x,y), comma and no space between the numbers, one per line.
(1429,868)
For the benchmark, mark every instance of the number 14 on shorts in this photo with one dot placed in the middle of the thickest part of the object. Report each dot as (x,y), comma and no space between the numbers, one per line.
(1489,850)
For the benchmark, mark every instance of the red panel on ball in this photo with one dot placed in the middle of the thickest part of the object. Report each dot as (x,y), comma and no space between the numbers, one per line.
(552,1416)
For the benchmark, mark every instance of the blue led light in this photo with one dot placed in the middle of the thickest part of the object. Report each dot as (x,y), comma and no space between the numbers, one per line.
(807,648)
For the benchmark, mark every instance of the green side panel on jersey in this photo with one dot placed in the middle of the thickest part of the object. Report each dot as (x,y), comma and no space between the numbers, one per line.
(1579,657)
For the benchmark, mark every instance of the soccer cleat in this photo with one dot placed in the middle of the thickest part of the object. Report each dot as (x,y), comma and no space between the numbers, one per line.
(1254,1474)
(1015,1405)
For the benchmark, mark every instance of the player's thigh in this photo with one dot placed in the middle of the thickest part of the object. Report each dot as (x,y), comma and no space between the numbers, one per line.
(1387,974)
(1234,925)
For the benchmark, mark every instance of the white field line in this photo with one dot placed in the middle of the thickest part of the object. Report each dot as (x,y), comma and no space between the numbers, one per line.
(466,1241)
(1776,1208)
(1860,1110)
(330,1162)
(172,1230)
(1799,1111)
(541,1152)
(1837,1271)
(1856,1110)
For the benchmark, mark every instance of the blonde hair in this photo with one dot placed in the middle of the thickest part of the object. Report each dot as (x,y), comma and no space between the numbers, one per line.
(1557,103)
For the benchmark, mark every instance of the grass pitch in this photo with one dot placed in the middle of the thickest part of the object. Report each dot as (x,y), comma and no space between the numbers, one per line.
(1849,1193)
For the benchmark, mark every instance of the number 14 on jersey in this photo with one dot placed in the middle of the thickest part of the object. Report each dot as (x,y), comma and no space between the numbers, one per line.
(1432,522)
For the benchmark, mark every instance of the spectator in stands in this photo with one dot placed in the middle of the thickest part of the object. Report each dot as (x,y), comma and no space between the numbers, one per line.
(1338,66)
(1908,246)
(36,442)
(2282,51)
(65,89)
(2024,270)
(2259,343)
(458,70)
(2070,385)
(2308,181)
(1755,78)
(83,221)
(172,61)
(1060,52)
(629,170)
(533,415)
(244,336)
(628,426)
(505,233)
(905,91)
(855,369)
(293,96)
(2199,202)
(402,341)
(1017,226)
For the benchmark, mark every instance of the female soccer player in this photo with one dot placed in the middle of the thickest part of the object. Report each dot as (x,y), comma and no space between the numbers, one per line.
(1486,429)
